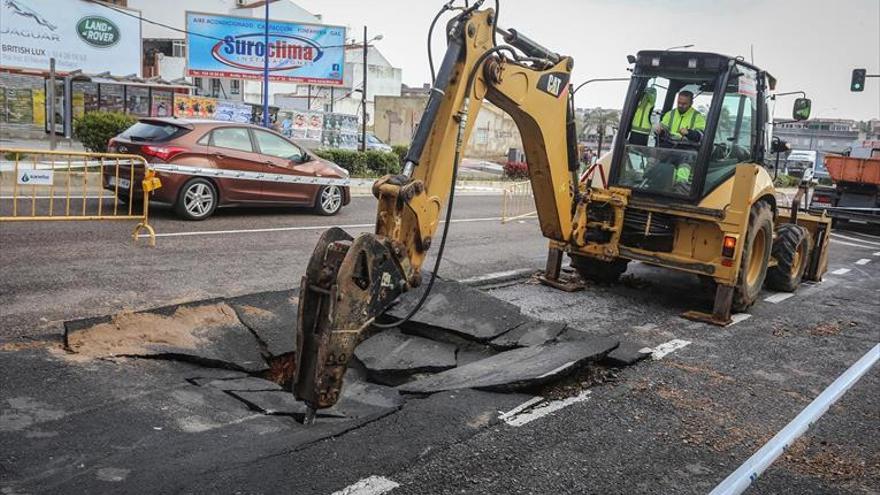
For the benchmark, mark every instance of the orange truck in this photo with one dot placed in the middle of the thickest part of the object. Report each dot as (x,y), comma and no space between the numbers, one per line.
(855,195)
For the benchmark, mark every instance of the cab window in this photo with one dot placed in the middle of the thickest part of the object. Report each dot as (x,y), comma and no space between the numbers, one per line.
(235,138)
(273,145)
(737,132)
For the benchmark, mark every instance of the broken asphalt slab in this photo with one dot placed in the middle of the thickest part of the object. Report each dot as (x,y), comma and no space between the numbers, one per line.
(207,332)
(626,354)
(529,334)
(456,310)
(518,368)
(391,357)
(272,316)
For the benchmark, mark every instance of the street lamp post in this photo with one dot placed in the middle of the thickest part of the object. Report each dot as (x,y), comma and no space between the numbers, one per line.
(266,69)
(364,97)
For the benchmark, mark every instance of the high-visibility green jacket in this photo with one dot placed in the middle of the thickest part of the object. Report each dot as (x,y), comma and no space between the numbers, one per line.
(642,119)
(691,120)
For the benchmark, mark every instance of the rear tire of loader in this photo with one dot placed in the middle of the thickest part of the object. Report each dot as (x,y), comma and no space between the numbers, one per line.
(603,272)
(791,249)
(755,257)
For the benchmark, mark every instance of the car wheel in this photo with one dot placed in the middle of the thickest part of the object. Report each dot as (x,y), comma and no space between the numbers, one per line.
(196,200)
(329,200)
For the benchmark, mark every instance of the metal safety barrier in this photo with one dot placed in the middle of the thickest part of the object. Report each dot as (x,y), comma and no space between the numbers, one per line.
(43,185)
(518,202)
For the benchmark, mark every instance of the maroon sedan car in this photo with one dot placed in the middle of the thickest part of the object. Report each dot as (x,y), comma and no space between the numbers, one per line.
(227,146)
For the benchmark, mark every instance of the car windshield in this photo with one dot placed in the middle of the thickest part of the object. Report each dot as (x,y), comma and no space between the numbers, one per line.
(373,139)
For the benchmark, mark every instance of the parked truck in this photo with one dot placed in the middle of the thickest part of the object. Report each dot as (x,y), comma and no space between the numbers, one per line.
(855,193)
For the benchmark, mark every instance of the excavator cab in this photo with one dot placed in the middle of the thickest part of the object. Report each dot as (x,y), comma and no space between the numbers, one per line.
(725,99)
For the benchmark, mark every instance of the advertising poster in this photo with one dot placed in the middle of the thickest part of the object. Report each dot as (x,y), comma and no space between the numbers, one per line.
(340,131)
(198,107)
(78,34)
(234,47)
(233,112)
(161,103)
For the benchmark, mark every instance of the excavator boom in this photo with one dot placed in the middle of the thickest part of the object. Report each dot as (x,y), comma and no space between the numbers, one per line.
(351,281)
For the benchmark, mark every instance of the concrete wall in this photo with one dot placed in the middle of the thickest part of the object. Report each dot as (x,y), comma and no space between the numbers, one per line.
(398,117)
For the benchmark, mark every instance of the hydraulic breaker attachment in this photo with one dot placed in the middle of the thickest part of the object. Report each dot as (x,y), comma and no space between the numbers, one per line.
(347,284)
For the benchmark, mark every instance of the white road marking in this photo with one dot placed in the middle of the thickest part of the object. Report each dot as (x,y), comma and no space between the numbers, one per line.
(840,271)
(779,297)
(738,318)
(374,485)
(289,229)
(863,234)
(877,253)
(498,275)
(521,418)
(875,243)
(863,261)
(662,350)
(844,243)
(516,410)
(748,472)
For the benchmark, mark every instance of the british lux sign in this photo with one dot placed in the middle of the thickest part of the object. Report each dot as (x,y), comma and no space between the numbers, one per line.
(78,34)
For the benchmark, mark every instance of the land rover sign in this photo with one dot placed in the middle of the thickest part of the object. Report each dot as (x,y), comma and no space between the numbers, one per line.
(97,31)
(78,34)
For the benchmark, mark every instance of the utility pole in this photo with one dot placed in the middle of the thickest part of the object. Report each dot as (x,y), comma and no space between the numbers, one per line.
(364,97)
(331,99)
(266,69)
(53,139)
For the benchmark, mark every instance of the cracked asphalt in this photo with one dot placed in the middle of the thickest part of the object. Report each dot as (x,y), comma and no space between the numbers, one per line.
(679,424)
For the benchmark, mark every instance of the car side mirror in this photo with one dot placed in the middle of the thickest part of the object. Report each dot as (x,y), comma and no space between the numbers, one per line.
(801,109)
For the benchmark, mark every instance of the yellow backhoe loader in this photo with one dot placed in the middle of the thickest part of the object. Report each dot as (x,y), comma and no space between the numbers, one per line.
(704,206)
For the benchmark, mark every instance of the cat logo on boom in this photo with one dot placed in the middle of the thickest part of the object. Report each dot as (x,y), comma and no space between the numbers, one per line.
(553,83)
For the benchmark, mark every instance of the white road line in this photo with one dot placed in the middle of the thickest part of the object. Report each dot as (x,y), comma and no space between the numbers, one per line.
(863,261)
(516,410)
(779,297)
(662,350)
(498,275)
(875,243)
(289,229)
(844,243)
(840,271)
(877,253)
(521,418)
(374,485)
(738,318)
(748,472)
(863,234)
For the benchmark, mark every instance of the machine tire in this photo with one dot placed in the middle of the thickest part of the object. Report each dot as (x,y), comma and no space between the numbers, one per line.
(594,270)
(755,257)
(205,195)
(791,248)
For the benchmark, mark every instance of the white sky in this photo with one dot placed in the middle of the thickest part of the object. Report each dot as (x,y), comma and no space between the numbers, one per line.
(809,45)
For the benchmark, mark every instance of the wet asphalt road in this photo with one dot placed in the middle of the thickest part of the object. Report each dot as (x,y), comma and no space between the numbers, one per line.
(55,271)
(675,425)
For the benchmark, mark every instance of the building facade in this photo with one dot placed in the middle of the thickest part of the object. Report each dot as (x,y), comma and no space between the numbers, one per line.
(397,118)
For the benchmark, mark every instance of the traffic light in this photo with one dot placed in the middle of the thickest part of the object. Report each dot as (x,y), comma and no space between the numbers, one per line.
(858,80)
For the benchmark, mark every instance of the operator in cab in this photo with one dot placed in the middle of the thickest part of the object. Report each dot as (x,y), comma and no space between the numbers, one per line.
(683,123)
(683,126)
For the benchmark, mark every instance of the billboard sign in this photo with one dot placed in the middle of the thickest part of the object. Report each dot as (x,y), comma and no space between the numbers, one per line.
(78,34)
(234,47)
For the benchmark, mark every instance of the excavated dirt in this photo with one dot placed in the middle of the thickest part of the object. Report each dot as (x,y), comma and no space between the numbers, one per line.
(139,333)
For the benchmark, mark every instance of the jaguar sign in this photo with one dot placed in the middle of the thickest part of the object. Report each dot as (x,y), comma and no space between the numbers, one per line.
(78,34)
(235,47)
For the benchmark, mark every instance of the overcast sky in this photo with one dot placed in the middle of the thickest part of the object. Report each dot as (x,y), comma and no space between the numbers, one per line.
(808,45)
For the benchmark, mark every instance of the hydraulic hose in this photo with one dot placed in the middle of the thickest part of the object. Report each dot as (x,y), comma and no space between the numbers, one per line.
(459,144)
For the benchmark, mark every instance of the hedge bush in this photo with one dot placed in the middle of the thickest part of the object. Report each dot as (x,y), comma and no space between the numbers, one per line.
(516,170)
(786,181)
(400,150)
(363,164)
(94,129)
